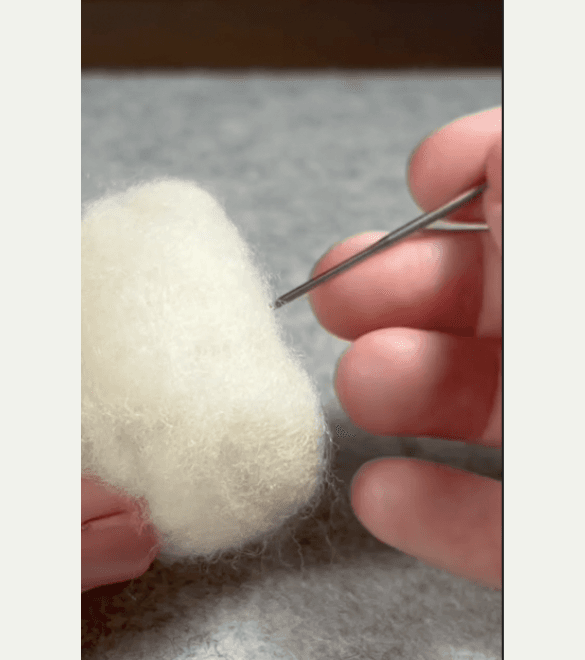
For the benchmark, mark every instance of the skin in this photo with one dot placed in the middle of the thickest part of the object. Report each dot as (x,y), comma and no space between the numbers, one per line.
(424,319)
(115,546)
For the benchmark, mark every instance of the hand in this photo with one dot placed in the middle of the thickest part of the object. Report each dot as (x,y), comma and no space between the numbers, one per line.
(425,321)
(113,546)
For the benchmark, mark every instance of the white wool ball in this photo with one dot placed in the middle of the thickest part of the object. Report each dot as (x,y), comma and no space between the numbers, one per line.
(190,398)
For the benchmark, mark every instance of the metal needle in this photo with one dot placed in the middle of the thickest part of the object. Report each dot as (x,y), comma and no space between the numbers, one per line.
(390,239)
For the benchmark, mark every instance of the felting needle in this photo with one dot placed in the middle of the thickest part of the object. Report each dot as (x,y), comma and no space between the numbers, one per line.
(390,239)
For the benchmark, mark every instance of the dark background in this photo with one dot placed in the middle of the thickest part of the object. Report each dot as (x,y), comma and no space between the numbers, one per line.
(348,34)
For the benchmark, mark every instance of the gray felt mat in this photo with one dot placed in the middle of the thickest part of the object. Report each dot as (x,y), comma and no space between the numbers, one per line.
(299,162)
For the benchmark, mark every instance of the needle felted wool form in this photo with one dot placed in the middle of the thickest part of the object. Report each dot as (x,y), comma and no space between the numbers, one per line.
(190,399)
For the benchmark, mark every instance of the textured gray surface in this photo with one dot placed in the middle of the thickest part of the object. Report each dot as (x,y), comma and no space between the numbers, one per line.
(299,163)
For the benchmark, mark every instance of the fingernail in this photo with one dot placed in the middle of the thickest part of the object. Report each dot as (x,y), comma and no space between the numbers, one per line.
(152,555)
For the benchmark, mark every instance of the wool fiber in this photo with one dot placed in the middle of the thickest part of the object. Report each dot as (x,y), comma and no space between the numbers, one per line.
(191,400)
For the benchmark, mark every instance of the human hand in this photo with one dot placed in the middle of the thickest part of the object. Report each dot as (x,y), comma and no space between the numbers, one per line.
(114,548)
(425,321)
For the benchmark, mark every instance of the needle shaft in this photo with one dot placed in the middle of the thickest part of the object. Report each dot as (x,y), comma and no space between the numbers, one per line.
(386,241)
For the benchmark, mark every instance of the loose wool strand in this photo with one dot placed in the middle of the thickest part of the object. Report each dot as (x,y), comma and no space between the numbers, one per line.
(190,399)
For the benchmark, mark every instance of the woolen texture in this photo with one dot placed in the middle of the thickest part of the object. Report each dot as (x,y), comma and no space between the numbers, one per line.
(190,399)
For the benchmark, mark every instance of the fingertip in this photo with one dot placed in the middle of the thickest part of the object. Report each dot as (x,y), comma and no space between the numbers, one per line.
(404,381)
(413,167)
(415,173)
(452,159)
(143,565)
(446,517)
(118,539)
(114,549)
(147,542)
(370,491)
(378,377)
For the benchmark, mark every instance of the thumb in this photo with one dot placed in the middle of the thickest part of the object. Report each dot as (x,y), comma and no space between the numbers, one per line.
(115,548)
(454,159)
(492,198)
(117,544)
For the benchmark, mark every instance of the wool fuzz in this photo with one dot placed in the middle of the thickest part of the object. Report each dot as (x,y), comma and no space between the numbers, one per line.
(190,398)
